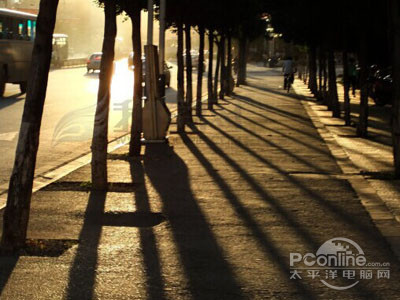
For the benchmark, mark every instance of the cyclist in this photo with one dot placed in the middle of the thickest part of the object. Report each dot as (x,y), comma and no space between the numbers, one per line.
(288,70)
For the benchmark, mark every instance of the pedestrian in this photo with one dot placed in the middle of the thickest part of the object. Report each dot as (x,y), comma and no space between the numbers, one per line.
(353,75)
(288,70)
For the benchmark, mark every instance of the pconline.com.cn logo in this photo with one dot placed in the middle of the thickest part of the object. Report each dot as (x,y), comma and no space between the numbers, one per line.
(339,263)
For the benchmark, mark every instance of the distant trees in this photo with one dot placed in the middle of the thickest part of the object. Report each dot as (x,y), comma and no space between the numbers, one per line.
(365,30)
(221,21)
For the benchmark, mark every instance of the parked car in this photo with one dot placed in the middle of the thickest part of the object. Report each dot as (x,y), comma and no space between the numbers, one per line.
(94,61)
(195,59)
(381,82)
(167,68)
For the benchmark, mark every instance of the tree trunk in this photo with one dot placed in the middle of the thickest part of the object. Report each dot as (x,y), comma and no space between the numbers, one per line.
(229,68)
(320,73)
(189,79)
(396,88)
(241,79)
(181,81)
(333,94)
(312,83)
(223,68)
(136,127)
(362,126)
(16,214)
(346,88)
(210,99)
(216,77)
(200,72)
(324,75)
(100,130)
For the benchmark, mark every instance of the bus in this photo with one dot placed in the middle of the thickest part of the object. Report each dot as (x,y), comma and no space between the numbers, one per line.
(17,33)
(60,48)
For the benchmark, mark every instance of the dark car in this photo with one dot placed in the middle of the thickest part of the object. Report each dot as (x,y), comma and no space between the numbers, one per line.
(381,82)
(166,69)
(195,60)
(94,61)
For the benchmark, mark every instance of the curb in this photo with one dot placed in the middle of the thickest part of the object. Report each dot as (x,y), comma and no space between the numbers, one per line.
(46,178)
(381,216)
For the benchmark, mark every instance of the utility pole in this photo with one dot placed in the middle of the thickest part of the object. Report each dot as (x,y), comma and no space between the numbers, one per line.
(156,116)
(150,16)
(162,48)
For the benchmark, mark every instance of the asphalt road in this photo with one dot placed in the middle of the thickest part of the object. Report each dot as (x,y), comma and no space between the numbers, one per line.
(68,115)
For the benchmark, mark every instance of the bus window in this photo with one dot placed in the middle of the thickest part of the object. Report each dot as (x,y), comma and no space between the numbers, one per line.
(20,30)
(22,34)
(30,30)
(5,30)
(34,29)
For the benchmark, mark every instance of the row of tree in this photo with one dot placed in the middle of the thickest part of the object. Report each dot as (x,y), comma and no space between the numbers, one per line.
(366,30)
(223,22)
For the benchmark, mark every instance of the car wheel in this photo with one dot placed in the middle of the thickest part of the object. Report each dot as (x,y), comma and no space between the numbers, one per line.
(2,81)
(22,87)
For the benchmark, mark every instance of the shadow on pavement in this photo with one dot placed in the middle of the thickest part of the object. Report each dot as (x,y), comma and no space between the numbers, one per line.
(278,132)
(148,243)
(7,265)
(11,100)
(265,242)
(208,273)
(277,91)
(82,275)
(364,228)
(270,108)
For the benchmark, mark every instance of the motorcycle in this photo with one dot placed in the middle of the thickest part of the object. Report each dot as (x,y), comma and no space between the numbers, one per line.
(381,86)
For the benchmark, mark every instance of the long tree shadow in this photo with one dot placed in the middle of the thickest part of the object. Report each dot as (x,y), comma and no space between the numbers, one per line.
(262,238)
(379,120)
(7,265)
(82,275)
(148,243)
(257,104)
(303,233)
(340,212)
(274,145)
(276,91)
(258,114)
(209,275)
(279,132)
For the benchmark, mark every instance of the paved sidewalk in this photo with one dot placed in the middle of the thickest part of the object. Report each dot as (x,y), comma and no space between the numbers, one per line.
(372,157)
(214,216)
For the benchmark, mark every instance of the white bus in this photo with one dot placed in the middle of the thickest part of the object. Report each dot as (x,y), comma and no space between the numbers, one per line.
(17,33)
(60,49)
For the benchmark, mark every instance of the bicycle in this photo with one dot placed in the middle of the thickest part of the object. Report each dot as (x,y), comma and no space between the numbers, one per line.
(288,80)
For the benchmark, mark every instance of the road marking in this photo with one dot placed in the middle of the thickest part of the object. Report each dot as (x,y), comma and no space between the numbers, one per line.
(8,136)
